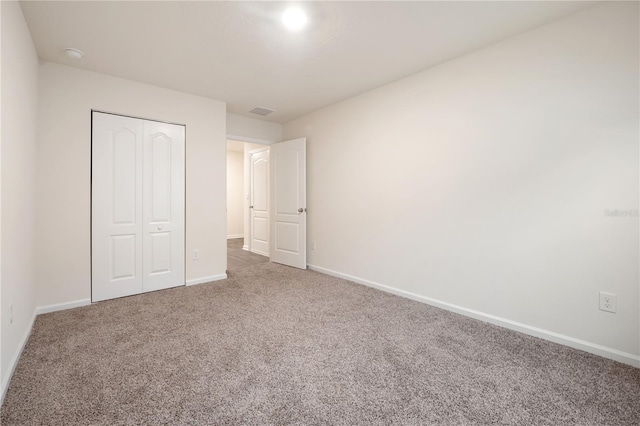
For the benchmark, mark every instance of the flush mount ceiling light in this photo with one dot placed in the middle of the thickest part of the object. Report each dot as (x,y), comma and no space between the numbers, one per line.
(73,53)
(294,19)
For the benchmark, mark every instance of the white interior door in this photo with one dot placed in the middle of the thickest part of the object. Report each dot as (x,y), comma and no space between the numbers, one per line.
(163,211)
(137,206)
(288,187)
(259,201)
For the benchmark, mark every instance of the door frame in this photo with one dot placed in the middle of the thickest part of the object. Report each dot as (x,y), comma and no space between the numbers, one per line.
(184,253)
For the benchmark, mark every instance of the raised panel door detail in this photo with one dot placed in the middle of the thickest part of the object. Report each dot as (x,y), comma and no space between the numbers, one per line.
(161,178)
(287,236)
(123,170)
(161,252)
(286,182)
(260,170)
(260,229)
(123,257)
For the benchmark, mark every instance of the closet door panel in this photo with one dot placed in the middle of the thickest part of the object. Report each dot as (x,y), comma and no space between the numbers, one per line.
(164,146)
(116,207)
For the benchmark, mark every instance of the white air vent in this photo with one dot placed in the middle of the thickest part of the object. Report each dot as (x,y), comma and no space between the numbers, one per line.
(261,111)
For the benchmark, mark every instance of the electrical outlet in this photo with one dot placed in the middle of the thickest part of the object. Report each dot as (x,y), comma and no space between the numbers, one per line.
(313,245)
(608,302)
(195,254)
(11,314)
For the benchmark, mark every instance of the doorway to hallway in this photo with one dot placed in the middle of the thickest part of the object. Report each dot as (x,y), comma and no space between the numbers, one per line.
(247,212)
(274,199)
(237,258)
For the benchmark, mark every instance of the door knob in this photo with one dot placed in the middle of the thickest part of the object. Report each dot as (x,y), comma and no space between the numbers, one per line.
(300,210)
(159,228)
(250,207)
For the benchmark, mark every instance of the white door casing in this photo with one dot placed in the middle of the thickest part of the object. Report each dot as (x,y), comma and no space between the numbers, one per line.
(259,201)
(137,235)
(288,188)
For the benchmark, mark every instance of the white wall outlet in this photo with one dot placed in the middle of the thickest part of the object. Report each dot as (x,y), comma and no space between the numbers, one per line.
(11,314)
(195,254)
(608,302)
(313,245)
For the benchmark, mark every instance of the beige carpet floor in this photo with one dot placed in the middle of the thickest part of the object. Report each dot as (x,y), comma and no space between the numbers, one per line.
(274,345)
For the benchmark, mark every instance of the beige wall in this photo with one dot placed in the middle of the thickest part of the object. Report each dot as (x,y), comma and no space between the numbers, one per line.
(252,130)
(18,184)
(64,154)
(235,196)
(482,183)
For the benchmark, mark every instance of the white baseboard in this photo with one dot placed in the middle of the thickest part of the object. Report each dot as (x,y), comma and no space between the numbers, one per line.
(62,306)
(231,237)
(16,357)
(207,279)
(37,311)
(245,248)
(603,351)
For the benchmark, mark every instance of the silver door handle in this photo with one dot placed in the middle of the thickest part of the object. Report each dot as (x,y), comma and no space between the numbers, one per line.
(159,228)
(300,210)
(250,207)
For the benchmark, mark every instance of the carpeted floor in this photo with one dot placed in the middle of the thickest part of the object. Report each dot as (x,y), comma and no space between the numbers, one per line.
(237,258)
(276,345)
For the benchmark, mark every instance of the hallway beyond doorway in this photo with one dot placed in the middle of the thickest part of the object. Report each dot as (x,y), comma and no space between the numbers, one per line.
(238,258)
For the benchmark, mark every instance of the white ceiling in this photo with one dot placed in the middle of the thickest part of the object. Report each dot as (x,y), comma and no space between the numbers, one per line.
(240,53)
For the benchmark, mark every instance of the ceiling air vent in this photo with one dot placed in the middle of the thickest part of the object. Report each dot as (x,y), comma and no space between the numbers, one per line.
(261,111)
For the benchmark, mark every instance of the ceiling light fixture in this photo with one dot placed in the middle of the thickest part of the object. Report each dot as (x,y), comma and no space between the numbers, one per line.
(294,19)
(73,53)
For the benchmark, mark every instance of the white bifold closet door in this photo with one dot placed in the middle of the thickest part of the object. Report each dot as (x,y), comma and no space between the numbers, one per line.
(137,206)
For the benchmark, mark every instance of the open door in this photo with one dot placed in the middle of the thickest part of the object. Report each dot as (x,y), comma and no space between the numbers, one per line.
(288,180)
